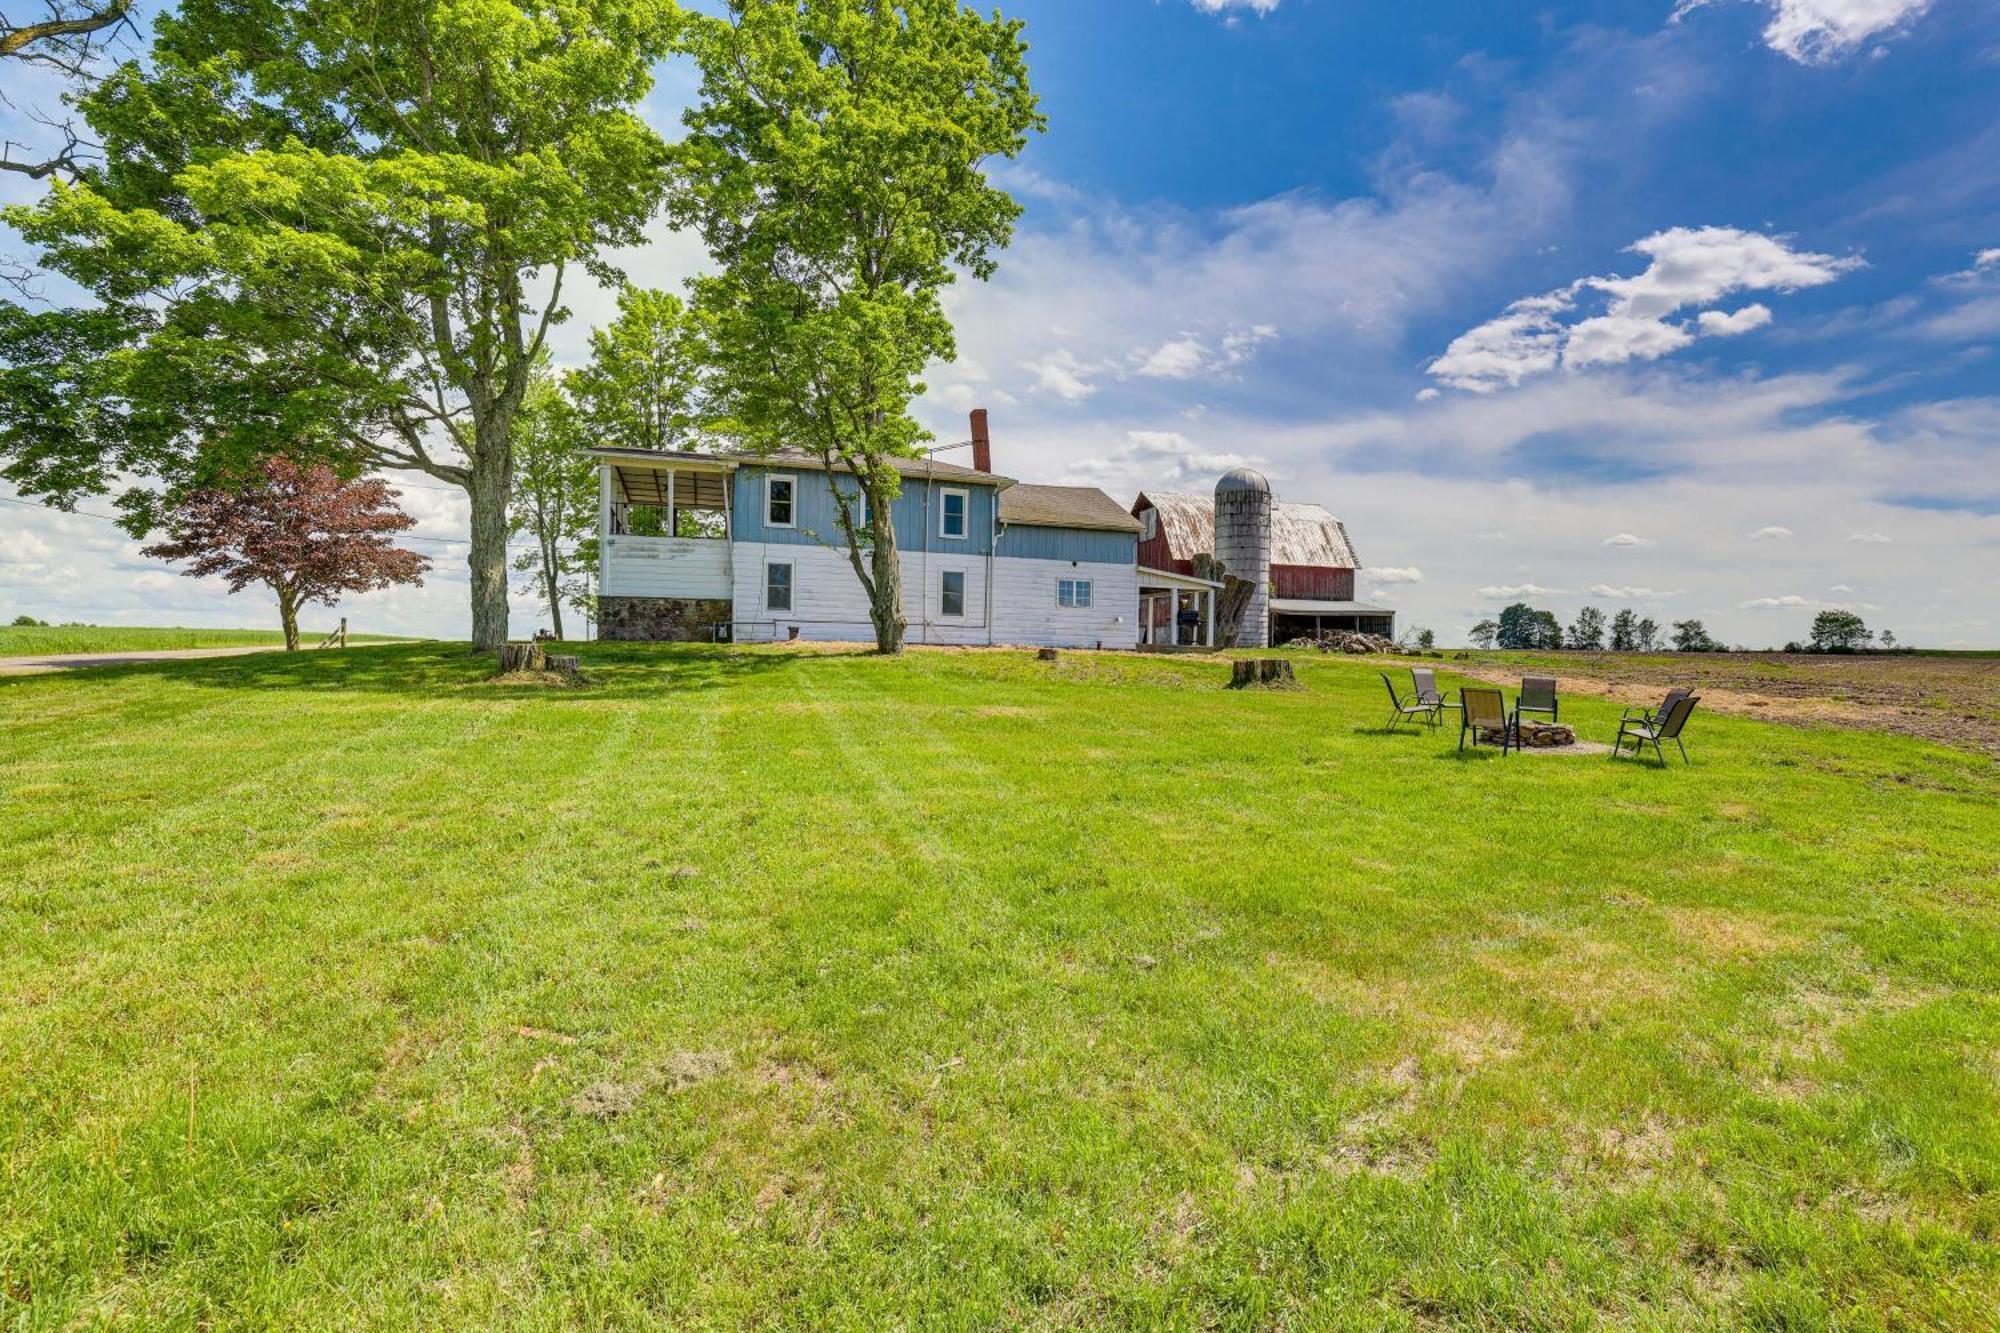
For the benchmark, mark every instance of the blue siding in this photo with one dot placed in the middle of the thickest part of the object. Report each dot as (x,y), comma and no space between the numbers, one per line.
(1086,544)
(817,519)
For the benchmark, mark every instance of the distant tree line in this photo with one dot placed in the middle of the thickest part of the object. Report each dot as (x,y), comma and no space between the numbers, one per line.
(1521,626)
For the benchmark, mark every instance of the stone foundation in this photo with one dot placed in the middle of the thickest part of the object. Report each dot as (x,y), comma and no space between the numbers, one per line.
(661,619)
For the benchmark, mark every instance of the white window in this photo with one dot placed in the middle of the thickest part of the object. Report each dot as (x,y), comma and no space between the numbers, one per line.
(781,497)
(857,508)
(951,593)
(1149,524)
(778,586)
(1073,592)
(954,505)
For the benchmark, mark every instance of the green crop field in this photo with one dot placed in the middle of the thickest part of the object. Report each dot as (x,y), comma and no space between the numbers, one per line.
(812,990)
(27,640)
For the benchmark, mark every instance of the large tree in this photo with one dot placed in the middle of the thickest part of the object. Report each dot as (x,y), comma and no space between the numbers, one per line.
(1625,631)
(555,497)
(1839,632)
(302,532)
(644,385)
(833,164)
(1587,633)
(333,229)
(67,38)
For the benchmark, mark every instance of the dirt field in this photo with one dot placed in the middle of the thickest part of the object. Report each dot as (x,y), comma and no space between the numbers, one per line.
(1952,699)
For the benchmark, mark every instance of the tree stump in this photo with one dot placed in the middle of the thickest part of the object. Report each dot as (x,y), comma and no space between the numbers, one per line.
(564,665)
(523,657)
(1274,672)
(1047,655)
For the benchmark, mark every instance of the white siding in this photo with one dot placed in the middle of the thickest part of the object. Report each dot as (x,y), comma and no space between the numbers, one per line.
(828,603)
(1026,611)
(666,567)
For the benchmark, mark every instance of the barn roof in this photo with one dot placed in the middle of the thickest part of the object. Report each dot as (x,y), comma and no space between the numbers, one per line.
(1063,507)
(1301,534)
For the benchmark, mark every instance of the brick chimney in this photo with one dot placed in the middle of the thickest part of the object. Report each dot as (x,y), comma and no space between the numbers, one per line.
(982,443)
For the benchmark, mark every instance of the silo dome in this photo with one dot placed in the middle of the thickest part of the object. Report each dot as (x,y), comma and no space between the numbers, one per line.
(1243,479)
(1243,547)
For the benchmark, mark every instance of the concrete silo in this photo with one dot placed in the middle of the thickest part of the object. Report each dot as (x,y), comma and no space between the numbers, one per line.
(1243,545)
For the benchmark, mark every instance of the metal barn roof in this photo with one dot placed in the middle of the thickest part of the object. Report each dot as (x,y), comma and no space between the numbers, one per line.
(1301,534)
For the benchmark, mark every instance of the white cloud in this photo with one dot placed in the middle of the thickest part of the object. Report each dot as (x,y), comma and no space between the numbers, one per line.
(1159,459)
(1632,594)
(1840,587)
(1818,32)
(1506,591)
(1611,340)
(1988,259)
(1428,395)
(1189,356)
(1062,374)
(1180,359)
(1790,600)
(1396,574)
(1870,538)
(1526,339)
(1629,539)
(1717,324)
(154,581)
(1228,6)
(1771,535)
(1689,267)
(25,549)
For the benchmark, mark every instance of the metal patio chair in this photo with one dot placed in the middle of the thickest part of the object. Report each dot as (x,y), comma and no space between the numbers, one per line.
(1651,715)
(1424,681)
(1485,710)
(1667,727)
(1538,695)
(1406,708)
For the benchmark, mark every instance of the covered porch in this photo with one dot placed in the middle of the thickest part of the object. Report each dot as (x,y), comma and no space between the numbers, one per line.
(663,525)
(1176,610)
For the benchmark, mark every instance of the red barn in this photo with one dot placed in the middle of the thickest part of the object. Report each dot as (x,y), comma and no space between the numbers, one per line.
(1312,561)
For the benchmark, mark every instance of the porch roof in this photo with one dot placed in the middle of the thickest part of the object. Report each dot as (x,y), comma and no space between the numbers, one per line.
(1166,578)
(1300,606)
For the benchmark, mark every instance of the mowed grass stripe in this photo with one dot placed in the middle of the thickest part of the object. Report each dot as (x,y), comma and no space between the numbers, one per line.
(774,986)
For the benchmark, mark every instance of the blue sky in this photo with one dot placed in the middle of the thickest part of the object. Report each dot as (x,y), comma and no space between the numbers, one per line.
(1688,309)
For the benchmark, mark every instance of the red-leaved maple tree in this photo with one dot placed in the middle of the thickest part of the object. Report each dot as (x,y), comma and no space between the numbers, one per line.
(301,531)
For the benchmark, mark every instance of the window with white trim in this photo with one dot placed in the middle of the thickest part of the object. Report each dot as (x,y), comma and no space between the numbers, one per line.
(1073,592)
(1149,524)
(778,586)
(954,504)
(781,500)
(951,593)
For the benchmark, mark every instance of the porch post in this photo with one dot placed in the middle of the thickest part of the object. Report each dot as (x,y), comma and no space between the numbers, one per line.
(1208,633)
(673,520)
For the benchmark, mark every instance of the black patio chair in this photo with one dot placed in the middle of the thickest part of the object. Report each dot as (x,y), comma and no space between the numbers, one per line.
(1424,681)
(1485,710)
(1405,708)
(1667,727)
(1651,715)
(1538,695)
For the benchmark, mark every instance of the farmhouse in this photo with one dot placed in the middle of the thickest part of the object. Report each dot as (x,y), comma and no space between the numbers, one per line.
(748,547)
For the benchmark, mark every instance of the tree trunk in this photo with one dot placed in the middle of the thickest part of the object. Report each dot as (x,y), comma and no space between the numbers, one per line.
(885,602)
(490,476)
(288,616)
(554,593)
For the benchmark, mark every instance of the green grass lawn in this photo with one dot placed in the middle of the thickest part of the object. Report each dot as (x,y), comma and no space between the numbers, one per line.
(26,640)
(963,990)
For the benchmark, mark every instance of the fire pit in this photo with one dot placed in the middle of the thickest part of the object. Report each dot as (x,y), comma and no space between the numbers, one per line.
(1532,735)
